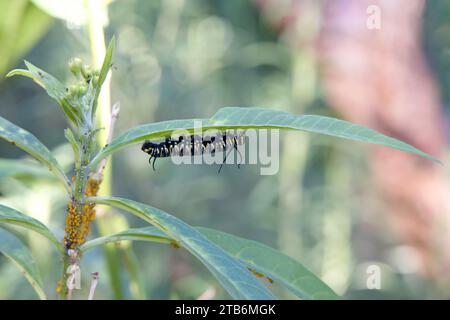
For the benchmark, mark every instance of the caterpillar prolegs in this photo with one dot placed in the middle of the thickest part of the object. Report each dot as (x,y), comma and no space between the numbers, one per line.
(193,145)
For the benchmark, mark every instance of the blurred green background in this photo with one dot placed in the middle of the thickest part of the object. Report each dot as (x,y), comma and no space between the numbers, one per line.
(186,59)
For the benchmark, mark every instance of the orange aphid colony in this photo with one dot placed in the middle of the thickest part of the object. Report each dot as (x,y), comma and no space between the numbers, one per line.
(78,225)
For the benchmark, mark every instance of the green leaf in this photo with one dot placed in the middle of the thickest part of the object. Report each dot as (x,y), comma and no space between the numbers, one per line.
(19,17)
(24,169)
(19,254)
(259,118)
(259,257)
(104,70)
(55,89)
(73,143)
(33,26)
(72,11)
(139,234)
(147,131)
(272,264)
(269,118)
(30,144)
(11,216)
(21,72)
(144,132)
(232,274)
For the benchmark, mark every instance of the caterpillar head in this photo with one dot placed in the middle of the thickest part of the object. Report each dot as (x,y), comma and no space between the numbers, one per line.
(149,147)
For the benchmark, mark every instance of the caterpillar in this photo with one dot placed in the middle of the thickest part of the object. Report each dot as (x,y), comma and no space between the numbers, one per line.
(193,145)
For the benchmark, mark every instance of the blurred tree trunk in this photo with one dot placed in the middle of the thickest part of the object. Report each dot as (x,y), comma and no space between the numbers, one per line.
(380,78)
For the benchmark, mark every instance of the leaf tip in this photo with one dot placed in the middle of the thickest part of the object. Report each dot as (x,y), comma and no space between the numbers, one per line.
(10,74)
(111,46)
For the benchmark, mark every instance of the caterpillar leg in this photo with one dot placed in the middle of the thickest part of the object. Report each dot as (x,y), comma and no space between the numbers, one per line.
(153,164)
(224,160)
(235,146)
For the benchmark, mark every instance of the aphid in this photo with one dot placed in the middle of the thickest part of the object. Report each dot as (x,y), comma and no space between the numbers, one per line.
(193,145)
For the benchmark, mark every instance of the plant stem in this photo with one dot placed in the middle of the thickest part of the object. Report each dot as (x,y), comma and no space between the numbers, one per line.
(114,115)
(82,170)
(94,282)
(79,213)
(82,173)
(96,12)
(62,287)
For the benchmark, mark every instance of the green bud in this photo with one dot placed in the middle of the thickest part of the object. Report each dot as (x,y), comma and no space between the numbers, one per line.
(72,90)
(87,72)
(82,89)
(77,90)
(76,66)
(95,80)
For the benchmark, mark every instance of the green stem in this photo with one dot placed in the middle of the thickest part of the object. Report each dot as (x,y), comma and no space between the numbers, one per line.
(82,170)
(82,173)
(64,277)
(107,222)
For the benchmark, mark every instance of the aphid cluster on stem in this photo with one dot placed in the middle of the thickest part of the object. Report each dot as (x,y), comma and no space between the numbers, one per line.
(78,225)
(192,145)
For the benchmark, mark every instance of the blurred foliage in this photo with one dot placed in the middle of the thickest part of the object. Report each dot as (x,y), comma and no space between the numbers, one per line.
(22,24)
(186,59)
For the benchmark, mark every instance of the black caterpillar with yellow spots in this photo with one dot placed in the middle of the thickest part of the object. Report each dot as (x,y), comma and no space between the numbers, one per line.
(193,145)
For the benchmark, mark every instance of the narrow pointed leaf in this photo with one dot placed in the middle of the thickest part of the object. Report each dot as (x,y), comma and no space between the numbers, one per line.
(11,216)
(21,72)
(232,274)
(147,131)
(272,264)
(73,143)
(24,169)
(106,66)
(260,118)
(30,144)
(19,254)
(55,89)
(107,61)
(136,234)
(265,260)
(269,118)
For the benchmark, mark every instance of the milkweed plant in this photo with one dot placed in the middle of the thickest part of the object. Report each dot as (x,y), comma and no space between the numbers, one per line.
(244,268)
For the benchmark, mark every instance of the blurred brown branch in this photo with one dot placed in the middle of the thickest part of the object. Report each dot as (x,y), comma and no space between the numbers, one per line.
(380,78)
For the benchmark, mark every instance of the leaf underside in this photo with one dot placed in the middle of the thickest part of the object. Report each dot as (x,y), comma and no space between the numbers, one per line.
(258,118)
